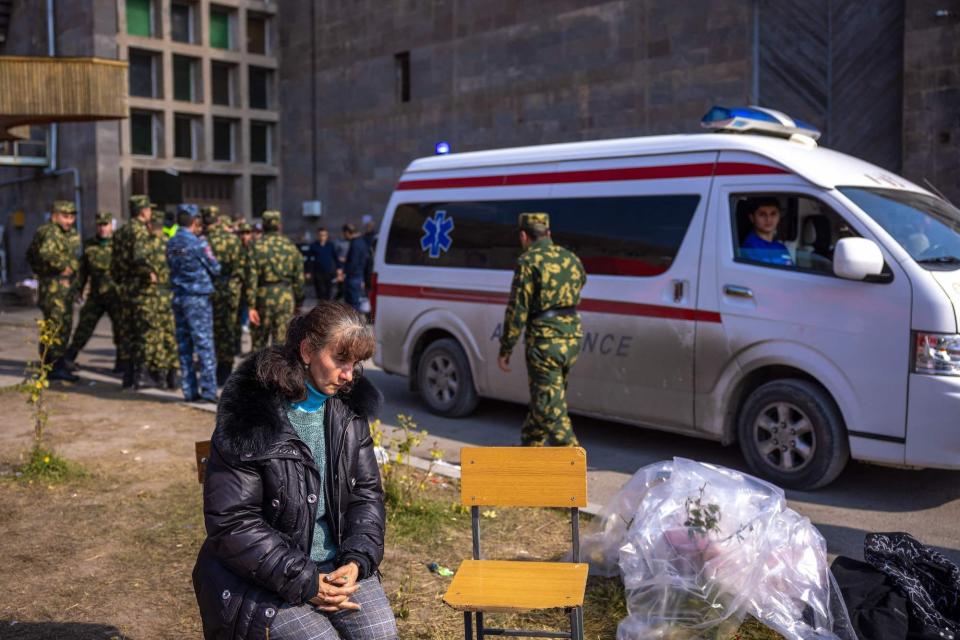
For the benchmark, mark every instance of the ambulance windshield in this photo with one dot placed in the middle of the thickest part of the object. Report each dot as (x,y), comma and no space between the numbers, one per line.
(927,227)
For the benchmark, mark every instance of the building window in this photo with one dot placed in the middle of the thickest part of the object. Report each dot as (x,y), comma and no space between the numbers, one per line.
(186,79)
(261,88)
(224,139)
(402,64)
(258,34)
(222,83)
(209,189)
(144,133)
(181,22)
(140,18)
(261,194)
(261,142)
(186,136)
(221,27)
(143,73)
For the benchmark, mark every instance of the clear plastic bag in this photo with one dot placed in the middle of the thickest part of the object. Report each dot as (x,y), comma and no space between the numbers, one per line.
(700,547)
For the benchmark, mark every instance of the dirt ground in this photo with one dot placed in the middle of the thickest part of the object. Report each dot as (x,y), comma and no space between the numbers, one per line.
(109,555)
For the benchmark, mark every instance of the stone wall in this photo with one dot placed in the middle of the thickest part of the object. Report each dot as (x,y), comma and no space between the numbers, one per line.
(92,148)
(931,101)
(487,75)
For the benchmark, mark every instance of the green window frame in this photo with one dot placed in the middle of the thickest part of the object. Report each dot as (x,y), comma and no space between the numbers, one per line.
(140,18)
(219,28)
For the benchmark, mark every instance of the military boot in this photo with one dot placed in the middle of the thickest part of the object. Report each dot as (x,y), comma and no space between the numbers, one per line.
(69,360)
(223,372)
(128,376)
(60,372)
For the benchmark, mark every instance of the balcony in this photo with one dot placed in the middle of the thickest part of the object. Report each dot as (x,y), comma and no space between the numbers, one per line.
(36,91)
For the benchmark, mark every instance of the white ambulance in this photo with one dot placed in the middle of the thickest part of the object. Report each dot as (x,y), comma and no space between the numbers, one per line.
(837,337)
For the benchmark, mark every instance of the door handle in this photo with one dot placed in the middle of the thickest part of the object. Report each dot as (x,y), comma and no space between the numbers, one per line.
(737,291)
(678,291)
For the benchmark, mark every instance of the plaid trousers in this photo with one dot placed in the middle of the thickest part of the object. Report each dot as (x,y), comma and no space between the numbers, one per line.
(374,620)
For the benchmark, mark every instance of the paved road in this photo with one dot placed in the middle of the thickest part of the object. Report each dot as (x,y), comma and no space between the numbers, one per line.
(865,498)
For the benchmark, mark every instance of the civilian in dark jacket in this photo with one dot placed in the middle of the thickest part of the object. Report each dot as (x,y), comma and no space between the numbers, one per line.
(354,269)
(323,264)
(292,499)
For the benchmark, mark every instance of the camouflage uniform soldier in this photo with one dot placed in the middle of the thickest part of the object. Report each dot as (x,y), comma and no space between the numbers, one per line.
(102,298)
(160,349)
(135,277)
(543,300)
(54,256)
(229,252)
(248,297)
(277,275)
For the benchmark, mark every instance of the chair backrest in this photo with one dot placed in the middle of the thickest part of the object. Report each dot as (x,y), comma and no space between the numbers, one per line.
(523,477)
(202,450)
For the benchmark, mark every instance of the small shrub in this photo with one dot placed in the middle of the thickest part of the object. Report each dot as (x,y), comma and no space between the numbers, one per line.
(43,465)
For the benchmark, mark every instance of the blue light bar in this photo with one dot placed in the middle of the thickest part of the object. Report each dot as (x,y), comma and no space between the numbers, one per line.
(757,120)
(441,148)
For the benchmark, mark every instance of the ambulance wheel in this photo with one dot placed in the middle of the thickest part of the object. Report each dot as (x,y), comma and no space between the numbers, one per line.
(791,433)
(445,381)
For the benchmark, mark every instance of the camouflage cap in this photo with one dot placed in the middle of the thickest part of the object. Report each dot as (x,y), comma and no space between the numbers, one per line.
(211,210)
(224,220)
(244,227)
(271,220)
(104,217)
(138,202)
(538,221)
(64,206)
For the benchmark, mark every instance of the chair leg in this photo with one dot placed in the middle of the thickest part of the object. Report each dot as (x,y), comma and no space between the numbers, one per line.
(576,623)
(467,625)
(479,625)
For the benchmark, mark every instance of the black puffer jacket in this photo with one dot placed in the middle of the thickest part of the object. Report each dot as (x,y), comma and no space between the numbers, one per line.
(260,504)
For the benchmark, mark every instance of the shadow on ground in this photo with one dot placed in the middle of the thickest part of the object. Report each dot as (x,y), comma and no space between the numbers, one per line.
(14,630)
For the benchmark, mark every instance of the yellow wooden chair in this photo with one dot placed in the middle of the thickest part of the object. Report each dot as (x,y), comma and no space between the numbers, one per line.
(521,477)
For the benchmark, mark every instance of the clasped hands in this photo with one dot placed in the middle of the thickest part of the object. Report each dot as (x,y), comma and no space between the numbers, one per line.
(336,588)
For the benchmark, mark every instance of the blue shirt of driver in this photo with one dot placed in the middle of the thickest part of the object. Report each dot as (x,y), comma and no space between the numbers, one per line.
(756,248)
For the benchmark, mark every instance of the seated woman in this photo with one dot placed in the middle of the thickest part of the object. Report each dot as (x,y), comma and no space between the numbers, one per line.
(292,499)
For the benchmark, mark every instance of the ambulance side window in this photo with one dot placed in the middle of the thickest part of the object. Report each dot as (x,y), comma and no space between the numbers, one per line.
(615,236)
(786,231)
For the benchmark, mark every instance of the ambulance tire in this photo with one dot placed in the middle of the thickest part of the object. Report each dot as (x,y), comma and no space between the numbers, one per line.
(444,379)
(792,433)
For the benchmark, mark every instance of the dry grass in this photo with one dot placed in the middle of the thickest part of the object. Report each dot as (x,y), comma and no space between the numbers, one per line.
(109,554)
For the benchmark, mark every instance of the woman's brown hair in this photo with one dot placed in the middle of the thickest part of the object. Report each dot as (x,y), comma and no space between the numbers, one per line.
(328,323)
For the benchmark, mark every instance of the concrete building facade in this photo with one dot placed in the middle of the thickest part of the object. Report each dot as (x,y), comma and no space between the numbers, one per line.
(203,123)
(373,85)
(320,105)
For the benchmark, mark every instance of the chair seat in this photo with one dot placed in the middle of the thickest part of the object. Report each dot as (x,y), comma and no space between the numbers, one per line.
(510,586)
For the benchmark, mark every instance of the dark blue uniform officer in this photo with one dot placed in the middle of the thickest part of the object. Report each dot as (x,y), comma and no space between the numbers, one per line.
(192,271)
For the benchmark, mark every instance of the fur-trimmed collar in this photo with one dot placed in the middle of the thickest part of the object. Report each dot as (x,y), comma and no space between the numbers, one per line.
(251,416)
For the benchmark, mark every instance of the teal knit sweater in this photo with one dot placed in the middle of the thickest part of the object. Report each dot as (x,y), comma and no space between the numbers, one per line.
(306,417)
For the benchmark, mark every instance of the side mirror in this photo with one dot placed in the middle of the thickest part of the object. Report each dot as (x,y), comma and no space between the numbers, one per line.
(857,258)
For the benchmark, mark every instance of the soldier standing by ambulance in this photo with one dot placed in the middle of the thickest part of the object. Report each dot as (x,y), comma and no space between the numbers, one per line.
(543,300)
(102,297)
(54,255)
(134,277)
(277,276)
(229,252)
